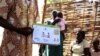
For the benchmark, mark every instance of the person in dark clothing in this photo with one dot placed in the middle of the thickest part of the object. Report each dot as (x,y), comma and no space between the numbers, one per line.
(5,24)
(42,46)
(41,49)
(59,21)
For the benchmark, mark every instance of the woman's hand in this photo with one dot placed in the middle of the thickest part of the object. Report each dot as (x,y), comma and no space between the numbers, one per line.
(5,24)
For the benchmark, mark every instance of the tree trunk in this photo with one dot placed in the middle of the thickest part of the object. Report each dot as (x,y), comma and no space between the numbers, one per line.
(14,44)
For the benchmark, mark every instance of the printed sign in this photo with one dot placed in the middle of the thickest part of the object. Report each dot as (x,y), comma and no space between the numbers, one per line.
(46,34)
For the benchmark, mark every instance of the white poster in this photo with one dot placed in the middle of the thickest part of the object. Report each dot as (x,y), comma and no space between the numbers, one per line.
(46,34)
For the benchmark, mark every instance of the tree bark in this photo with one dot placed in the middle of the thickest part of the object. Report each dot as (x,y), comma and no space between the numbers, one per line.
(14,44)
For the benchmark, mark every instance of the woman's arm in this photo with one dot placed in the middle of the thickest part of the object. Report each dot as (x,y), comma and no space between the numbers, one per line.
(5,24)
(56,21)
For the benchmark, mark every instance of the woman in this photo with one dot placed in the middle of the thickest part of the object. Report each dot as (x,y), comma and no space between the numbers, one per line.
(80,46)
(61,24)
(52,49)
(59,21)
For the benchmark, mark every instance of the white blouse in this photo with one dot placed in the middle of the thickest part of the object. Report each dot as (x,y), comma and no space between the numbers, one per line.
(79,48)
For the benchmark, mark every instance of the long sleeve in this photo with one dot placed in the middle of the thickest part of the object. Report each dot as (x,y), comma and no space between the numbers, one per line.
(5,24)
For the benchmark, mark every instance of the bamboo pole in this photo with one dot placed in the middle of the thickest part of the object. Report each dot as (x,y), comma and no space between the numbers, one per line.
(44,11)
(95,14)
(84,14)
(36,10)
(73,22)
(61,5)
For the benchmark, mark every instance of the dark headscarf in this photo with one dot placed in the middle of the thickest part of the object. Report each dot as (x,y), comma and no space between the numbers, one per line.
(80,36)
(54,14)
(81,33)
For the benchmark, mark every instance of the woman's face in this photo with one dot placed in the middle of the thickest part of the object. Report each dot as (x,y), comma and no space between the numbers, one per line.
(79,38)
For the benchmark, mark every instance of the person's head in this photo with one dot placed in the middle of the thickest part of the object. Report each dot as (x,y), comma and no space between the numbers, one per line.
(54,14)
(60,15)
(96,44)
(80,36)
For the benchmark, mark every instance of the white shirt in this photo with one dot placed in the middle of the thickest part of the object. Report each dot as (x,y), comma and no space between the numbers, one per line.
(79,48)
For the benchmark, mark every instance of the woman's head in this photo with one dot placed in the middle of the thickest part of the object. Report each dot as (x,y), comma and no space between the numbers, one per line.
(54,14)
(60,15)
(80,36)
